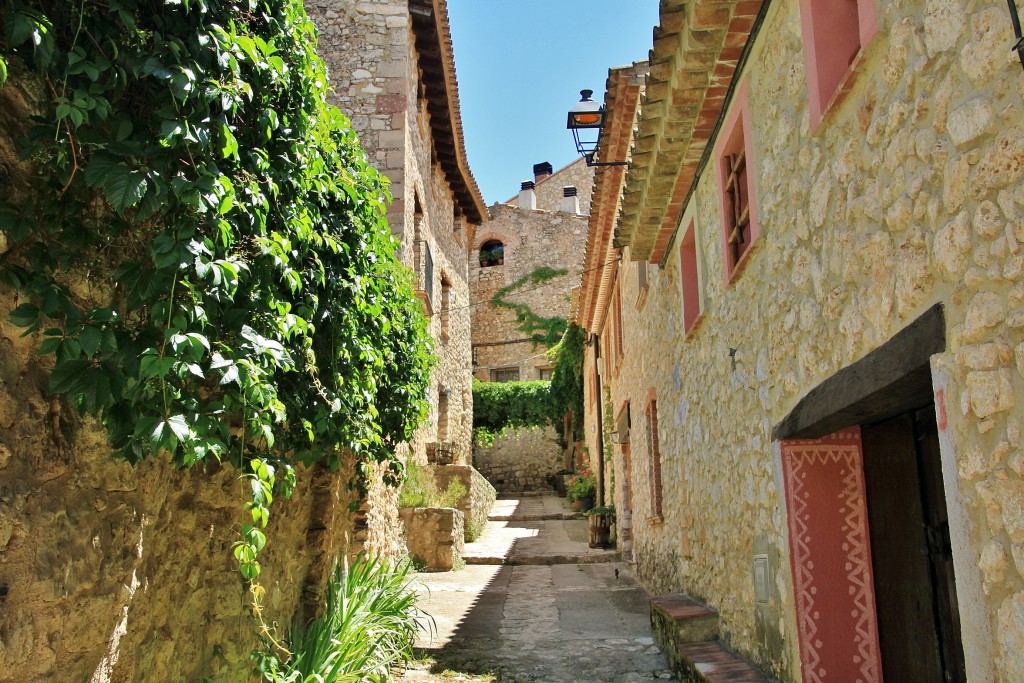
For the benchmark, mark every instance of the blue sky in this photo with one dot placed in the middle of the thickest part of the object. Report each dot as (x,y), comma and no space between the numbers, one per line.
(520,67)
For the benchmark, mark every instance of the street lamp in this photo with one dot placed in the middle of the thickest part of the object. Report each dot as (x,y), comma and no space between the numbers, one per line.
(588,115)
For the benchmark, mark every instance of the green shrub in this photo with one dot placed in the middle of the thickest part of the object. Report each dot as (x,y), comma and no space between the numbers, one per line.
(473,530)
(420,490)
(368,626)
(509,405)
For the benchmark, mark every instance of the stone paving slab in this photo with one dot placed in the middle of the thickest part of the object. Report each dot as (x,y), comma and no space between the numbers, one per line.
(535,542)
(549,624)
(533,509)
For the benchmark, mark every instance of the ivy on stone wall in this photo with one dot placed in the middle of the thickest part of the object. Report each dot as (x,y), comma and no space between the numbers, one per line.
(243,300)
(498,406)
(546,331)
(567,384)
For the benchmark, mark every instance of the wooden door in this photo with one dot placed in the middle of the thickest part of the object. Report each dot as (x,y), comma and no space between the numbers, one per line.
(915,594)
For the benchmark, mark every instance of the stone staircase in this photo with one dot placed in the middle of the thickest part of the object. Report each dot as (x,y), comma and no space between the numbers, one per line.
(687,631)
(538,530)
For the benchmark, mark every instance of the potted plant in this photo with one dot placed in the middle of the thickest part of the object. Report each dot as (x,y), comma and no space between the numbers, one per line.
(600,519)
(580,488)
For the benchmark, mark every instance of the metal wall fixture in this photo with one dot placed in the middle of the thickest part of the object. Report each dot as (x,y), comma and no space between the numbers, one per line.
(1018,45)
(585,117)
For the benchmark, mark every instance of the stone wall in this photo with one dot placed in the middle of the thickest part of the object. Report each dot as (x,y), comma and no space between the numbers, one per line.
(479,498)
(374,69)
(908,194)
(521,460)
(532,239)
(110,572)
(436,536)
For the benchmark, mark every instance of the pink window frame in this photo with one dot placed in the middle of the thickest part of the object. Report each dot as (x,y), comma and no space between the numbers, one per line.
(738,120)
(826,83)
(689,277)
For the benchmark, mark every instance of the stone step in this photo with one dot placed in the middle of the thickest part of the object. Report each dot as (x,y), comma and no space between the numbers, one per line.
(713,662)
(536,517)
(545,559)
(680,619)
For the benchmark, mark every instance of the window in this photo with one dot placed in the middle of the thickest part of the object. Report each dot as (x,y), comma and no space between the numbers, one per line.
(544,373)
(457,231)
(690,278)
(442,415)
(446,302)
(654,454)
(505,375)
(735,187)
(428,272)
(492,253)
(834,32)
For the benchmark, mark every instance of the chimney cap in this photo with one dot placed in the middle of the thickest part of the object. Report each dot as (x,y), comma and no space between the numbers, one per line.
(526,185)
(569,191)
(542,168)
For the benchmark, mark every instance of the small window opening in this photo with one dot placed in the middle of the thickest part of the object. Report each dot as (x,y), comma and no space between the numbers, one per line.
(492,253)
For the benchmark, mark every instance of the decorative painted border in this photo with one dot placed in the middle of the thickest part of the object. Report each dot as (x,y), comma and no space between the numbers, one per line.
(842,451)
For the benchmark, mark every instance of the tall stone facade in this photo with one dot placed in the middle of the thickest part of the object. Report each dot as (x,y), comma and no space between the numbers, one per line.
(541,230)
(542,233)
(392,71)
(759,407)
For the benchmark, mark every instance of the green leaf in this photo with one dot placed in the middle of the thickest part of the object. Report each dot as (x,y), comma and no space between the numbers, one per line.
(124,187)
(50,345)
(90,339)
(67,375)
(179,426)
(24,315)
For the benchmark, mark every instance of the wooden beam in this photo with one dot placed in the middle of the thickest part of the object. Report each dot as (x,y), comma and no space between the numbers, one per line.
(892,379)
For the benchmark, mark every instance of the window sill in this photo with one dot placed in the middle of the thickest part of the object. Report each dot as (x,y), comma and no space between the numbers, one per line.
(428,307)
(694,326)
(654,520)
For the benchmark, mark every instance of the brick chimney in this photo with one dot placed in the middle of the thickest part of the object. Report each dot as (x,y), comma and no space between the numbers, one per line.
(570,202)
(527,195)
(541,171)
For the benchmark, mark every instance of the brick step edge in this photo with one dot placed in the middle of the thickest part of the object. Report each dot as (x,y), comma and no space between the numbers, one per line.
(681,607)
(713,662)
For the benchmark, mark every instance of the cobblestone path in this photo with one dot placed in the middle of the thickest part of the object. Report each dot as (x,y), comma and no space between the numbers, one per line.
(536,604)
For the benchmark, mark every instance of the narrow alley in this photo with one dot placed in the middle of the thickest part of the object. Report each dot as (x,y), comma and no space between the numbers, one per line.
(535,603)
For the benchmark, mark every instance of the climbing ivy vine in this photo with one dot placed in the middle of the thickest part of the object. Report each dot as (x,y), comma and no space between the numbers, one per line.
(244,301)
(567,384)
(546,331)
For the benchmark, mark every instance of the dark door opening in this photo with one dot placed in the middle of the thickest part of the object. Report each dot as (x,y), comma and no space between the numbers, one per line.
(915,591)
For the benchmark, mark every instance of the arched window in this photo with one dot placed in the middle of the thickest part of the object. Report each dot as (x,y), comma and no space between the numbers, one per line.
(492,253)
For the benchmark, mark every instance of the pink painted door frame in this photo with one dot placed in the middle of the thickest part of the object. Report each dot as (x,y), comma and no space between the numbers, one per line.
(830,557)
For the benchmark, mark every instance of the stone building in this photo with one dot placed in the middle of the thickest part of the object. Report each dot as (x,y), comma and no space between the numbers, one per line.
(110,572)
(392,71)
(808,365)
(525,262)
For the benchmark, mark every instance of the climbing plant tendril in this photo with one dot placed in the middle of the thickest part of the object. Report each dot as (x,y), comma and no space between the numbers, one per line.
(244,301)
(546,331)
